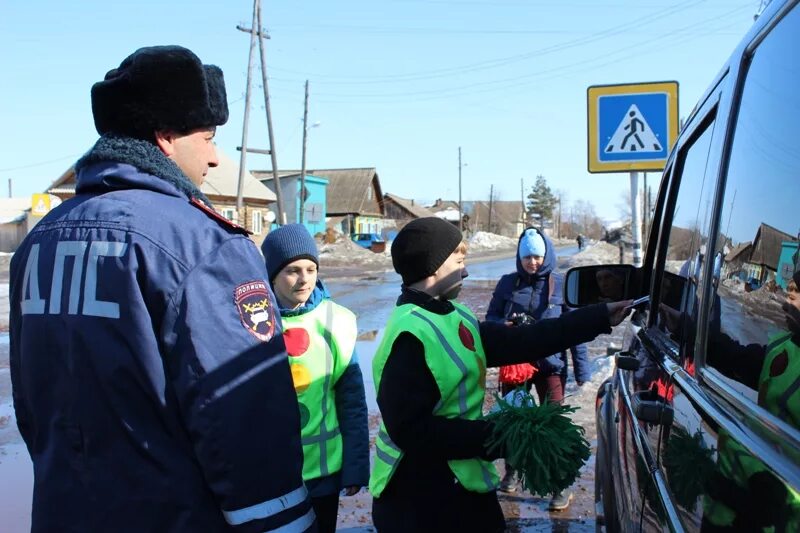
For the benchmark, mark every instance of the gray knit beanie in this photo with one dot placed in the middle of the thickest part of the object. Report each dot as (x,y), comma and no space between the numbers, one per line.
(286,244)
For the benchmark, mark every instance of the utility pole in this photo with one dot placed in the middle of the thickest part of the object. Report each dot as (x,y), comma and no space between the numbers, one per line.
(522,200)
(256,33)
(303,163)
(9,187)
(491,198)
(460,212)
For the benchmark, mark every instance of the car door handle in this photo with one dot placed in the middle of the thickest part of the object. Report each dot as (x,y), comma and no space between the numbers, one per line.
(626,361)
(649,408)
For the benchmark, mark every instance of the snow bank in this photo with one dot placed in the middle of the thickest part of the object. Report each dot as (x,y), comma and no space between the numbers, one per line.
(600,253)
(345,252)
(482,241)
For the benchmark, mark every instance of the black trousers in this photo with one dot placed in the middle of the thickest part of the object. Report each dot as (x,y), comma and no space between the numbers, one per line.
(327,509)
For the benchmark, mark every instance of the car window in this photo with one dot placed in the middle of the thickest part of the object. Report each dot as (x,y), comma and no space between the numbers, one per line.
(754,343)
(688,236)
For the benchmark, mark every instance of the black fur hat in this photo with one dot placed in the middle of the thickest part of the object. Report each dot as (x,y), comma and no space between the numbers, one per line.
(159,88)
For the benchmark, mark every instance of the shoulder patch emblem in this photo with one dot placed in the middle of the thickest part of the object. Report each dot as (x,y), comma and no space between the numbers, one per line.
(255,308)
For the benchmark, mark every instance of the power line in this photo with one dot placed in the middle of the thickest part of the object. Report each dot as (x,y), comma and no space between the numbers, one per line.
(40,163)
(534,77)
(503,61)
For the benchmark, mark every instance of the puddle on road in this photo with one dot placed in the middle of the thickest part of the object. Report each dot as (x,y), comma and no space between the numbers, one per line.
(366,345)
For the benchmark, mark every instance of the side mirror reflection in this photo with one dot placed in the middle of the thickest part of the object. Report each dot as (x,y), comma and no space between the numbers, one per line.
(588,285)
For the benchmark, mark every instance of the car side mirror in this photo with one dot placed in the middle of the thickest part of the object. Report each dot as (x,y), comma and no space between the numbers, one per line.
(587,285)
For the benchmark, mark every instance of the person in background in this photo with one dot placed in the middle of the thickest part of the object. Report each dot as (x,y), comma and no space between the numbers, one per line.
(149,374)
(432,470)
(320,339)
(535,291)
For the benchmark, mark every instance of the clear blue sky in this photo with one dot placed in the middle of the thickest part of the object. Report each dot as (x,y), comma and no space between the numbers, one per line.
(395,84)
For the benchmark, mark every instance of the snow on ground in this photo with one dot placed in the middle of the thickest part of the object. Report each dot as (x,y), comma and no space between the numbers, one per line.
(346,253)
(599,253)
(484,241)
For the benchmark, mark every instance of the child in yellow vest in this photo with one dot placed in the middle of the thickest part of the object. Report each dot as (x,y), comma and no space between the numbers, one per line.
(320,338)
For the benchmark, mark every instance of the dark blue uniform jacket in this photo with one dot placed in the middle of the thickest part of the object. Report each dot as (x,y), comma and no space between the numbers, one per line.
(150,378)
(520,292)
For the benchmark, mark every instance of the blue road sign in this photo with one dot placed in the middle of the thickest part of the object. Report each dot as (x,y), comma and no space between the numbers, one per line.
(632,127)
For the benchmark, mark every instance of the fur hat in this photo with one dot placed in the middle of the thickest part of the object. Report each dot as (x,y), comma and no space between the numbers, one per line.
(422,246)
(159,88)
(287,244)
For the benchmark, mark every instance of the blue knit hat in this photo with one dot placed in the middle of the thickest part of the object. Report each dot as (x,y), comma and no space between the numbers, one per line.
(531,243)
(286,244)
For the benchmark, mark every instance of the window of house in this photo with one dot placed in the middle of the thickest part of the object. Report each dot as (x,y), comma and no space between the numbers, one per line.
(229,213)
(752,346)
(257,222)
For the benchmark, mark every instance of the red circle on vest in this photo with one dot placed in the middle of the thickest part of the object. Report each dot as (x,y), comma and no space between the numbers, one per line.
(296,340)
(779,364)
(466,337)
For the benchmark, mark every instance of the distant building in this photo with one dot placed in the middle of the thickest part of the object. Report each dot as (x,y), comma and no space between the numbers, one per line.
(448,210)
(403,210)
(17,218)
(314,193)
(221,188)
(353,197)
(766,253)
(787,263)
(500,217)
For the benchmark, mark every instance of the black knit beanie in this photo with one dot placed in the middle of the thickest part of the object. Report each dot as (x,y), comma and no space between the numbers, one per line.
(286,244)
(422,246)
(159,88)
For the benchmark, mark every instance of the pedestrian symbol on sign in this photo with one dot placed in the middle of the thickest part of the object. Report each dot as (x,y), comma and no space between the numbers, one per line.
(633,134)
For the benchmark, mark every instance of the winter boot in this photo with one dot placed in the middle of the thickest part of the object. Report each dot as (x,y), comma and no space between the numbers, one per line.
(560,501)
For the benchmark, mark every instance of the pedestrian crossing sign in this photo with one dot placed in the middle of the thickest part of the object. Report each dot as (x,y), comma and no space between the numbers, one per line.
(631,126)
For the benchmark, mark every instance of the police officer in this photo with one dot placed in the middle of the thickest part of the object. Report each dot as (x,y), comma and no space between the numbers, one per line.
(433,471)
(149,373)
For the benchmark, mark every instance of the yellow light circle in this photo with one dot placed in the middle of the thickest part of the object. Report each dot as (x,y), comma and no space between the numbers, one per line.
(301,377)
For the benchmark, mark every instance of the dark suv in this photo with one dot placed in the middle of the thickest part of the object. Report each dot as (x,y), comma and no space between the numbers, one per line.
(699,425)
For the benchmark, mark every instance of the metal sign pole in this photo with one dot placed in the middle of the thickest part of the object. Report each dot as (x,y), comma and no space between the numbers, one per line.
(636,226)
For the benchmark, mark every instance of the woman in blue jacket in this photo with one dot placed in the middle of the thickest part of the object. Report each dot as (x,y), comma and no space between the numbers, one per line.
(535,290)
(320,340)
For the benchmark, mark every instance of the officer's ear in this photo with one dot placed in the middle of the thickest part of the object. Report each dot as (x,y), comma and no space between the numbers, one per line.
(165,140)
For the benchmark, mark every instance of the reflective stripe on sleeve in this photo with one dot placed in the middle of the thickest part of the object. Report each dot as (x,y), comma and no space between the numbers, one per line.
(297,526)
(267,508)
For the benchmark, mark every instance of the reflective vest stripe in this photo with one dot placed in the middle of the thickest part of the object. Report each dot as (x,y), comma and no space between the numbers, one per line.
(469,318)
(387,441)
(386,458)
(462,385)
(385,455)
(321,437)
(267,508)
(323,430)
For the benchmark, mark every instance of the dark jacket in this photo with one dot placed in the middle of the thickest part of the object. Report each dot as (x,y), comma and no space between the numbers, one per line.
(351,409)
(539,295)
(148,396)
(422,495)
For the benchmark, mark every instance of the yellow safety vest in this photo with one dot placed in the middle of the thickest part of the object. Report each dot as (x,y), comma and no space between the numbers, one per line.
(320,345)
(454,354)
